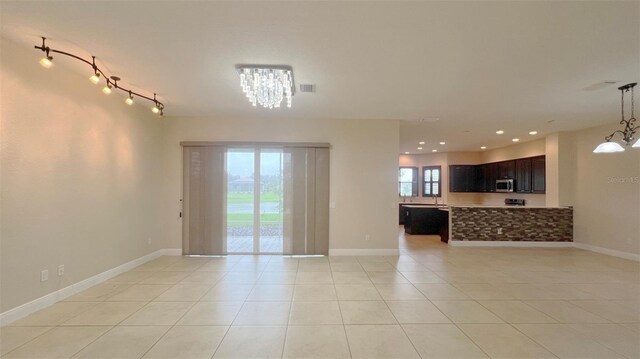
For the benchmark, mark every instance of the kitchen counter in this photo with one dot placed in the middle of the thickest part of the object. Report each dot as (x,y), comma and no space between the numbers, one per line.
(504,206)
(511,223)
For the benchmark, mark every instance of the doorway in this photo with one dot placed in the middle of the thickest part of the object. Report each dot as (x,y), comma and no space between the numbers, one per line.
(254,201)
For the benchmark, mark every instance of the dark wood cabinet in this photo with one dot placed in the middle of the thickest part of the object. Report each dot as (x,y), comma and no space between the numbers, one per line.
(481,182)
(538,174)
(492,175)
(424,220)
(528,173)
(523,176)
(506,169)
(462,178)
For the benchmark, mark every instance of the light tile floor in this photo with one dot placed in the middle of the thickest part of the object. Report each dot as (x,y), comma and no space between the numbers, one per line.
(432,301)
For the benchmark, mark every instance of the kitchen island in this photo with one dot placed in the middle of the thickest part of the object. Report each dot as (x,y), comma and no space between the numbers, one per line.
(510,224)
(425,219)
(402,212)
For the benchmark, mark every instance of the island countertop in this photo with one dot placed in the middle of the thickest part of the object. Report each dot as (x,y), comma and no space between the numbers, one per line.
(511,223)
(506,206)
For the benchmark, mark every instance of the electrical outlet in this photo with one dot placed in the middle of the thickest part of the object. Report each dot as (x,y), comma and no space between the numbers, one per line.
(44,275)
(332,205)
(149,240)
(367,237)
(61,270)
(499,230)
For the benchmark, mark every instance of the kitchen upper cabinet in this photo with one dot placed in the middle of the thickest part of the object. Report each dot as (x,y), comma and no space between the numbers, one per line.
(506,169)
(486,177)
(538,174)
(492,176)
(523,175)
(528,173)
(462,178)
(481,174)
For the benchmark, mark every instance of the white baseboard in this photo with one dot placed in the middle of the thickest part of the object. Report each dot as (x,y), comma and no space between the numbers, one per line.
(22,311)
(172,251)
(607,251)
(364,252)
(530,244)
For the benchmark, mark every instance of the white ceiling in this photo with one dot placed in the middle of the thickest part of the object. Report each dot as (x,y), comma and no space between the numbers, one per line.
(475,66)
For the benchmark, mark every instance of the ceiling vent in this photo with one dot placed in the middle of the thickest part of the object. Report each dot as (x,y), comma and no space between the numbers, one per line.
(307,88)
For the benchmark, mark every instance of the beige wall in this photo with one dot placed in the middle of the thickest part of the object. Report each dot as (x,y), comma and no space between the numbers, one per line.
(561,168)
(363,178)
(519,150)
(607,194)
(79,177)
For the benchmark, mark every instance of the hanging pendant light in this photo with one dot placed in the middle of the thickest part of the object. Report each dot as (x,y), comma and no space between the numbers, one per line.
(629,130)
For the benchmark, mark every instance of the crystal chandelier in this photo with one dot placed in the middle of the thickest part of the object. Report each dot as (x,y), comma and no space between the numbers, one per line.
(627,133)
(267,85)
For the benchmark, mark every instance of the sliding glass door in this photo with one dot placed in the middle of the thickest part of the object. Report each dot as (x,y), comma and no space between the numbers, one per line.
(254,212)
(271,205)
(249,198)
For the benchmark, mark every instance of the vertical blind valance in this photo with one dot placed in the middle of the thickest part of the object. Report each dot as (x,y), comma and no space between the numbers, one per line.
(305,172)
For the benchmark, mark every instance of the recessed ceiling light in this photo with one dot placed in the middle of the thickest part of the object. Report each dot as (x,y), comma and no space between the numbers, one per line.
(533,133)
(515,140)
(500,132)
(421,143)
(443,143)
(434,150)
(406,153)
(419,148)
(483,147)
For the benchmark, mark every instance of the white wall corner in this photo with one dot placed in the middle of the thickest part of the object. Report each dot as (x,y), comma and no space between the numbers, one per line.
(22,311)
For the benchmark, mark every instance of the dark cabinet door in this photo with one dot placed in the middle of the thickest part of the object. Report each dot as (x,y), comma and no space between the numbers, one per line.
(538,174)
(523,175)
(492,175)
(507,169)
(461,178)
(479,185)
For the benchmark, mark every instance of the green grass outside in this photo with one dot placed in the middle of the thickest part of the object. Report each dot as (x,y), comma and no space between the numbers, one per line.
(244,219)
(236,197)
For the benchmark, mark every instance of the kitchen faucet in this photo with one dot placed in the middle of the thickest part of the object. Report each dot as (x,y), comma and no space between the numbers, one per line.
(435,198)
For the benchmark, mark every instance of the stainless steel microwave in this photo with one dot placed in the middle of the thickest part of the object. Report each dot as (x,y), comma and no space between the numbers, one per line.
(504,185)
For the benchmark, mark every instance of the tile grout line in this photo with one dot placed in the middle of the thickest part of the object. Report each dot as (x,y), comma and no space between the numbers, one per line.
(113,326)
(344,328)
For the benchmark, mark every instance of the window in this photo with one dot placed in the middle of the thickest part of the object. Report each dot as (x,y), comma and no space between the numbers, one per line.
(408,182)
(431,185)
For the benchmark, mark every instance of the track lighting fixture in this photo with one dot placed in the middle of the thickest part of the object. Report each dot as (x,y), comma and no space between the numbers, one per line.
(107,89)
(112,81)
(158,108)
(95,78)
(129,100)
(46,62)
